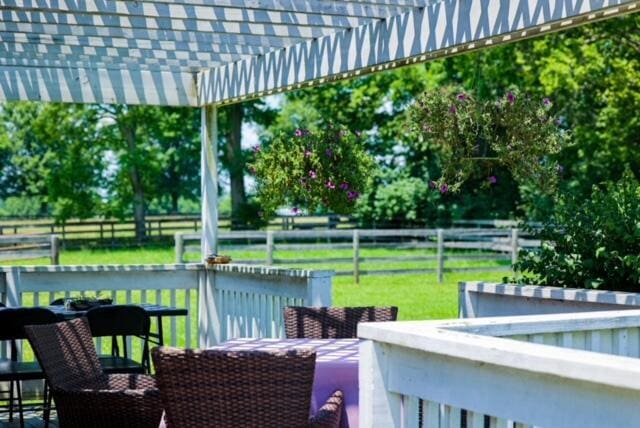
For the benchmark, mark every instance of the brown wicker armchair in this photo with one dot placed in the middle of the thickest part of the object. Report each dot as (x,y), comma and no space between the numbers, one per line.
(84,395)
(228,389)
(332,323)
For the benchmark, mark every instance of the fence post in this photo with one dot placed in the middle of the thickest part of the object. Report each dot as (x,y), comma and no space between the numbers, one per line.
(179,245)
(440,235)
(514,246)
(55,250)
(356,255)
(269,247)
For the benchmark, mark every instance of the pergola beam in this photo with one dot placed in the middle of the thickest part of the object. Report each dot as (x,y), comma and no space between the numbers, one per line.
(440,29)
(97,86)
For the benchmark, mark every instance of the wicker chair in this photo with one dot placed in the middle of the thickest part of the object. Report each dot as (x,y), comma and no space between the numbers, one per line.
(12,323)
(332,323)
(84,395)
(228,389)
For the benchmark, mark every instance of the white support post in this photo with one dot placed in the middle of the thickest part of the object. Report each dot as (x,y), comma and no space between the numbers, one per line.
(378,406)
(207,310)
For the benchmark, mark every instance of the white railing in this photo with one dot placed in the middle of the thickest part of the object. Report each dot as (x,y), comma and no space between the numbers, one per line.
(564,370)
(239,300)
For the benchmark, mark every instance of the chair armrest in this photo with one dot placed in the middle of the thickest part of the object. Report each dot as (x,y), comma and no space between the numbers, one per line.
(329,415)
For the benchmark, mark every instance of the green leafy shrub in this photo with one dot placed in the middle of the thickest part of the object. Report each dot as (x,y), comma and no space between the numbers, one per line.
(590,243)
(478,137)
(327,168)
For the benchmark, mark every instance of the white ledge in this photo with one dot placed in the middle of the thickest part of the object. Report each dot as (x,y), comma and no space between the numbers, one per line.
(556,293)
(271,271)
(104,268)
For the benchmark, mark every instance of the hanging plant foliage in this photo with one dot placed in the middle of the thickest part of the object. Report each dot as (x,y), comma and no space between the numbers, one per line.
(476,137)
(327,168)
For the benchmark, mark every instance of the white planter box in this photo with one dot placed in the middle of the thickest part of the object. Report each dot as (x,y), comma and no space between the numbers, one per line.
(484,299)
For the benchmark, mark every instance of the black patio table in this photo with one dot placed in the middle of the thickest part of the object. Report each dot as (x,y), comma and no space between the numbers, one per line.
(157,311)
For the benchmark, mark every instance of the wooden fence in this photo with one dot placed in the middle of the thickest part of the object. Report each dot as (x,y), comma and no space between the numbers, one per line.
(110,232)
(490,244)
(23,247)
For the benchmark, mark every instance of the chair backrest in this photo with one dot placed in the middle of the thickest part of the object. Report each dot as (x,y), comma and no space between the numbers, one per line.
(13,320)
(66,353)
(235,388)
(118,320)
(332,323)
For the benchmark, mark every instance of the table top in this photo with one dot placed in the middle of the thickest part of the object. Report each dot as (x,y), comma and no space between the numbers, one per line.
(152,309)
(327,350)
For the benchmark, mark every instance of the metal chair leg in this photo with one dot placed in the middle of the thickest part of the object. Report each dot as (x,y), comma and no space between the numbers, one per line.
(19,391)
(47,405)
(10,401)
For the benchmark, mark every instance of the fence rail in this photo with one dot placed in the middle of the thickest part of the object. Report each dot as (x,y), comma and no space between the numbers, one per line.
(496,244)
(24,247)
(110,232)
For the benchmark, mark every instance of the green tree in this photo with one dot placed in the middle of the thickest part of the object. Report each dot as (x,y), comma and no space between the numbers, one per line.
(53,152)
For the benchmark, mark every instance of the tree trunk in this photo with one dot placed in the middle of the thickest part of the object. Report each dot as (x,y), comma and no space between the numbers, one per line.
(175,198)
(129,133)
(233,151)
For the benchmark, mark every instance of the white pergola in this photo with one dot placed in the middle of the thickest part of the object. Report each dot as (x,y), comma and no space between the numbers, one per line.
(205,53)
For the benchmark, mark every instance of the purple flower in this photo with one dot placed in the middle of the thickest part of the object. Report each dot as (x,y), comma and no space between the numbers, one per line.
(329,153)
(462,96)
(295,210)
(492,179)
(546,102)
(511,97)
(301,132)
(453,109)
(433,185)
(307,153)
(352,196)
(344,186)
(312,174)
(256,149)
(330,185)
(444,188)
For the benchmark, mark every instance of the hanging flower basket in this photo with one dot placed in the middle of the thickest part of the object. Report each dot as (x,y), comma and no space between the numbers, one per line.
(476,137)
(327,168)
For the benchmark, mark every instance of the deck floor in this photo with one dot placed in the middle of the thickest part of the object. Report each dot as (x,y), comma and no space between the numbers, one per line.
(31,420)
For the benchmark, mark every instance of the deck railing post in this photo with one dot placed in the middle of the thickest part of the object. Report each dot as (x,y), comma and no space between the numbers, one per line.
(378,406)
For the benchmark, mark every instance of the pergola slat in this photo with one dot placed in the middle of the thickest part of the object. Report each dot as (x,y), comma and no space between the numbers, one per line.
(110,54)
(182,16)
(199,48)
(442,28)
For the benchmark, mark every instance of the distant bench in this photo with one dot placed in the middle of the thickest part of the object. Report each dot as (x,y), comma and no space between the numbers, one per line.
(22,247)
